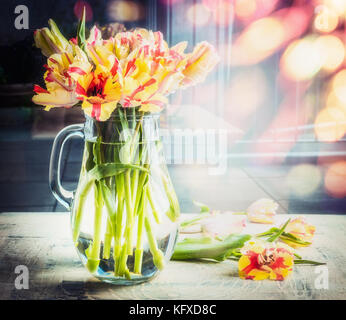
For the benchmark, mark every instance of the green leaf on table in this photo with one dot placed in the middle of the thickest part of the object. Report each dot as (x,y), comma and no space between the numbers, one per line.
(202,206)
(270,232)
(208,248)
(288,237)
(278,234)
(275,233)
(308,262)
(297,255)
(195,220)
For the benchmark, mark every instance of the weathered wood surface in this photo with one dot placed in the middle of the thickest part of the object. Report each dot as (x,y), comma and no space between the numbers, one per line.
(42,242)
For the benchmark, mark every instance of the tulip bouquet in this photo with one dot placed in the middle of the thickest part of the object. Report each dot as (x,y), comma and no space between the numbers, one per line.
(133,70)
(120,83)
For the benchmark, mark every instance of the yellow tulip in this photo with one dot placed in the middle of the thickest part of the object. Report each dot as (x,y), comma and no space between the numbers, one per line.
(135,69)
(199,63)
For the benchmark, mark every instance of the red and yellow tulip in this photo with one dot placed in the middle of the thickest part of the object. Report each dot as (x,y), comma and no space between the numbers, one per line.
(61,87)
(199,63)
(132,69)
(299,228)
(261,260)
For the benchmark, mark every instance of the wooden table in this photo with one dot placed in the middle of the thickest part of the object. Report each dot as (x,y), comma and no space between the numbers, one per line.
(42,242)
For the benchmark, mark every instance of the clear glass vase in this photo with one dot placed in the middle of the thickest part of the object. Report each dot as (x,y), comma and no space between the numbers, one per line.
(124,211)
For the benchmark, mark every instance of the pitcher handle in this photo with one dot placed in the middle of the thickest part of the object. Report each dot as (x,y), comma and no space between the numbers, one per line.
(64,196)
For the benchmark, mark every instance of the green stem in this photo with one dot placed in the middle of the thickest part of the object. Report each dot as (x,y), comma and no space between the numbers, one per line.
(122,265)
(84,190)
(107,198)
(194,220)
(119,218)
(278,234)
(139,247)
(158,257)
(129,212)
(134,185)
(141,182)
(174,209)
(94,253)
(152,204)
(108,240)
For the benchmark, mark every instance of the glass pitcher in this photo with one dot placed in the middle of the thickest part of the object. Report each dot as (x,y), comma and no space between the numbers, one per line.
(124,211)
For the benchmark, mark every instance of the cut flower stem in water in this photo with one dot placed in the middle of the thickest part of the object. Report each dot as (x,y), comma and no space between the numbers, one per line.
(115,185)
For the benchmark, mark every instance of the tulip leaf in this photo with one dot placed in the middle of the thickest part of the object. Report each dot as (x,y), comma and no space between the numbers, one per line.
(109,200)
(106,170)
(309,262)
(287,237)
(208,248)
(278,234)
(81,32)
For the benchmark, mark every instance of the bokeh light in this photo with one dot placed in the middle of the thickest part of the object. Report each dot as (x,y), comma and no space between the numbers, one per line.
(330,124)
(296,20)
(326,19)
(332,100)
(198,14)
(223,13)
(124,11)
(247,91)
(301,60)
(78,10)
(335,179)
(281,134)
(304,179)
(339,85)
(245,8)
(250,10)
(171,2)
(338,5)
(258,41)
(332,51)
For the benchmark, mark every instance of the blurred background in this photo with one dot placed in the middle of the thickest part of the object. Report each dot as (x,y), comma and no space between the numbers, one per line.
(279,93)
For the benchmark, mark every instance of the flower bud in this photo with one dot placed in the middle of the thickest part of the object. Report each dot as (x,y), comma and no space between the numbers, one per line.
(60,40)
(262,211)
(50,41)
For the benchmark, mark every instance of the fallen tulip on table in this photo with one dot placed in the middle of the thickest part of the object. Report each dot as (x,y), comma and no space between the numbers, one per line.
(259,256)
(262,260)
(262,211)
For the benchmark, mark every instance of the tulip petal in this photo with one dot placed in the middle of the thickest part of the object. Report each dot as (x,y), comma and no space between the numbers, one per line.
(57,98)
